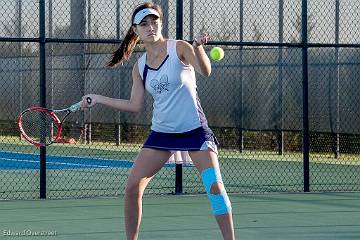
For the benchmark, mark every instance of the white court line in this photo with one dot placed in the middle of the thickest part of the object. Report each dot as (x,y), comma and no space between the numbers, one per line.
(60,163)
(55,156)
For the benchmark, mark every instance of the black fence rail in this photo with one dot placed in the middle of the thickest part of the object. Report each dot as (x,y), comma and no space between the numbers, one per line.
(284,102)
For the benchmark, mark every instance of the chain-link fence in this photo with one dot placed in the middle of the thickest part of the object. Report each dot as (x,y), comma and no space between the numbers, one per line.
(284,102)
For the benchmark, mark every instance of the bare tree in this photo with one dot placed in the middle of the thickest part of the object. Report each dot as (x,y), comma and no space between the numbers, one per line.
(258,36)
(297,24)
(14,28)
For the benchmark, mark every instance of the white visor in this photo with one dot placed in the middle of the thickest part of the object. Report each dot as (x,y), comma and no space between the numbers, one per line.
(143,13)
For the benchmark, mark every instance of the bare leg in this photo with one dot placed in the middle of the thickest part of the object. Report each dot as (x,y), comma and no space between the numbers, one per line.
(146,165)
(226,225)
(209,159)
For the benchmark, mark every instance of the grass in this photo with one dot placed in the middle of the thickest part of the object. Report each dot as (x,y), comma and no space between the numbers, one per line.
(248,171)
(128,151)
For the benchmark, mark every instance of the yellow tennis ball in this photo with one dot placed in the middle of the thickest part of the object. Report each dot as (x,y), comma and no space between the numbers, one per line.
(217,53)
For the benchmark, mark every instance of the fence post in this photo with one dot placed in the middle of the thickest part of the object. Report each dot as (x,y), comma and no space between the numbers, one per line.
(279,103)
(19,27)
(42,73)
(179,35)
(118,77)
(304,45)
(240,115)
(336,136)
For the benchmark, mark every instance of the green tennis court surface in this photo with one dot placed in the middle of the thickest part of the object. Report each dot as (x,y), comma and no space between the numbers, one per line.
(263,216)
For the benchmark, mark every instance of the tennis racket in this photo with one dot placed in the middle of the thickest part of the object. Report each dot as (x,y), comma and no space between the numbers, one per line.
(41,126)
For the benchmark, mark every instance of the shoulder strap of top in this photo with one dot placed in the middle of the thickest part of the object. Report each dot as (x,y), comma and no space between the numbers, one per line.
(172,47)
(141,65)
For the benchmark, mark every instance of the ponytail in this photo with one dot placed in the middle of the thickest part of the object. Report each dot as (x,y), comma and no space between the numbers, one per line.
(128,44)
(126,48)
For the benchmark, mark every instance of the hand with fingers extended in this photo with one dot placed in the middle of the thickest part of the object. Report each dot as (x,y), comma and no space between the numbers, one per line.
(202,39)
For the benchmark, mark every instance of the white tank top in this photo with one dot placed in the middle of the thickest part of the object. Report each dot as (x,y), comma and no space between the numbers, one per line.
(172,85)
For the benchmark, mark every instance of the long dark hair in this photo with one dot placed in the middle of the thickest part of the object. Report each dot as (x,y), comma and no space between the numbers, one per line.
(127,46)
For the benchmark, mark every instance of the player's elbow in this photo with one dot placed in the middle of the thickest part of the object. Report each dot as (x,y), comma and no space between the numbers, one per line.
(206,69)
(135,108)
(206,72)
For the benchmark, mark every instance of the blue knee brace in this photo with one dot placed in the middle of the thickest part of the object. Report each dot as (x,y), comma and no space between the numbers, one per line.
(220,203)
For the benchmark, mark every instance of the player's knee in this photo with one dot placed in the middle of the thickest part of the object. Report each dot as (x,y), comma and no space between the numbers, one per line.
(217,188)
(132,189)
(217,195)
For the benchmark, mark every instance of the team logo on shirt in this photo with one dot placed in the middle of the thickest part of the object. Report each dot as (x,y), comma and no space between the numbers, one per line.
(160,86)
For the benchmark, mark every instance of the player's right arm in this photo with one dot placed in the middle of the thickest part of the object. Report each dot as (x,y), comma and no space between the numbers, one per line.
(195,54)
(134,104)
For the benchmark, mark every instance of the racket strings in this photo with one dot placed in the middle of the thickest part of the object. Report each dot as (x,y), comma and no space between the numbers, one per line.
(39,126)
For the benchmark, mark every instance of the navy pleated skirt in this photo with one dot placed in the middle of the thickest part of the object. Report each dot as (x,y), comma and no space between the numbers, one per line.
(198,139)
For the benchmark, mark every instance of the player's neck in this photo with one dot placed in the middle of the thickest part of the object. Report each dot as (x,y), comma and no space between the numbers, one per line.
(157,48)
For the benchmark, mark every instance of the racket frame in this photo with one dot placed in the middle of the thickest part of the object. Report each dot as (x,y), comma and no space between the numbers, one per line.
(50,113)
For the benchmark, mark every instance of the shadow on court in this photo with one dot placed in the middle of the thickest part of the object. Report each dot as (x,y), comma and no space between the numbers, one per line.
(260,216)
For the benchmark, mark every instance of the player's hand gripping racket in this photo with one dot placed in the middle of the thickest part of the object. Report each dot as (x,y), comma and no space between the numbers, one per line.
(41,126)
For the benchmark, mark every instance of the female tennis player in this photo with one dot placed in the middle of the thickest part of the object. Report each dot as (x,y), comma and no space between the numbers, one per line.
(167,71)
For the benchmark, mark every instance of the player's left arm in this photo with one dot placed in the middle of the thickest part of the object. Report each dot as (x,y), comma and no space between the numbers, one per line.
(195,55)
